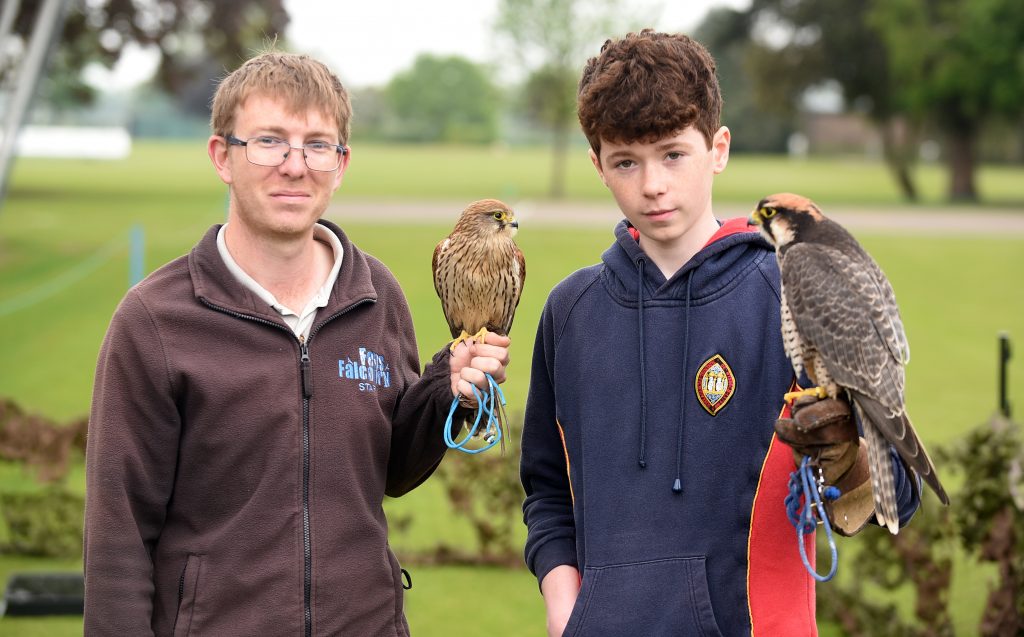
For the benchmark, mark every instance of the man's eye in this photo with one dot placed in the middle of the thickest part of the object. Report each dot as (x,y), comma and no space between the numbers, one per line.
(319,147)
(268,141)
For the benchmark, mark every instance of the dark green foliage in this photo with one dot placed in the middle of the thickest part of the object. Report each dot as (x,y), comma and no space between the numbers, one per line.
(47,523)
(443,99)
(485,490)
(986,519)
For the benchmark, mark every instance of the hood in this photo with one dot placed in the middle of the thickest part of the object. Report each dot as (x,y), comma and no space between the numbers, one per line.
(717,266)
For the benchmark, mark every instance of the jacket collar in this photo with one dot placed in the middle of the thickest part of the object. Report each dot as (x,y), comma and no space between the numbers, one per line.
(213,283)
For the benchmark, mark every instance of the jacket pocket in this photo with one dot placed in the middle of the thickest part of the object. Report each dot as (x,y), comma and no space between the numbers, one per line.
(187,585)
(661,597)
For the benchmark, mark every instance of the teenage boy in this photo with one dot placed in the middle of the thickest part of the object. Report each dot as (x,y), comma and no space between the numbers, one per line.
(654,481)
(256,399)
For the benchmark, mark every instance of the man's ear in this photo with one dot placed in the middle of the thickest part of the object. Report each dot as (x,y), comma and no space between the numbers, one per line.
(720,148)
(217,149)
(596,160)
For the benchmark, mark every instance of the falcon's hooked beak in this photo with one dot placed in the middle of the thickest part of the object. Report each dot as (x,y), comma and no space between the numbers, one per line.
(762,213)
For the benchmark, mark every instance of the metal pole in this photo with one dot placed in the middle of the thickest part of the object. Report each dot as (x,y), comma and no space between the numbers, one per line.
(1004,360)
(7,15)
(49,18)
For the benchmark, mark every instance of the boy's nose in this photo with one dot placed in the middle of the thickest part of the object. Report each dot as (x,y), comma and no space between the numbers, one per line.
(654,181)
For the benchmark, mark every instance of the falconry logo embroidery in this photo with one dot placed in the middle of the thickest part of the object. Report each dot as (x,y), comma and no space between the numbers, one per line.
(370,369)
(715,384)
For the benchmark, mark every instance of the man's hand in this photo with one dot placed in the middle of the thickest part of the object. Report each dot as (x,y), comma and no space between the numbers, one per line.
(560,588)
(471,360)
(824,429)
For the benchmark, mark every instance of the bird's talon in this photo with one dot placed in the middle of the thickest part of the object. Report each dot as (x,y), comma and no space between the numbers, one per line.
(817,392)
(461,339)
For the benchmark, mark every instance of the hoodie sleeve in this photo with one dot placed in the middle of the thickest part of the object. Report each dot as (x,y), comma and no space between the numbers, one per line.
(131,450)
(548,508)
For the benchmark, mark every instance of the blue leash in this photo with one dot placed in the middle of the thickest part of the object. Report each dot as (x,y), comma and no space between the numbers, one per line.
(803,485)
(485,404)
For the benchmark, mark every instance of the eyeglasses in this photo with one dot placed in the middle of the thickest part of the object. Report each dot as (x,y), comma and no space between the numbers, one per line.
(272,151)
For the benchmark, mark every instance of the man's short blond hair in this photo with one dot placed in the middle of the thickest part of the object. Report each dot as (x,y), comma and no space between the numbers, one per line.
(299,81)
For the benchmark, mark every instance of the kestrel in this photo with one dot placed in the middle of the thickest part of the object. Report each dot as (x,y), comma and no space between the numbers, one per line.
(841,324)
(479,271)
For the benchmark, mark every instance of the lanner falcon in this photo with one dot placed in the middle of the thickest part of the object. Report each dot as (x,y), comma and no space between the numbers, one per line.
(841,324)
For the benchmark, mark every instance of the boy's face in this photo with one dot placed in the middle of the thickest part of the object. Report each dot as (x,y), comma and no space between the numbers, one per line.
(664,187)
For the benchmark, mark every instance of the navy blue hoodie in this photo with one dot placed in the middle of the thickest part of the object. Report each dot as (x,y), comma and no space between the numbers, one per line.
(648,456)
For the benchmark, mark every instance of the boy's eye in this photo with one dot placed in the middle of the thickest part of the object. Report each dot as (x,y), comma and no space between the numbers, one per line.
(625,163)
(674,155)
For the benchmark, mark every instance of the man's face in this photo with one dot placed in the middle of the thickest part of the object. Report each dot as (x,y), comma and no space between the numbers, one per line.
(663,187)
(276,201)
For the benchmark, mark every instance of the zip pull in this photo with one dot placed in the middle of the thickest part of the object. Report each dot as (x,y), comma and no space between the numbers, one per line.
(307,371)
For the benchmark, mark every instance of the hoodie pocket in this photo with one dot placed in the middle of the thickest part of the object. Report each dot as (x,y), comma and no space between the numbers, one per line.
(660,597)
(187,584)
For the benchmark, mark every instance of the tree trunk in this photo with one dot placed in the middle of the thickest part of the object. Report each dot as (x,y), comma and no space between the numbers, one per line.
(898,146)
(961,165)
(559,157)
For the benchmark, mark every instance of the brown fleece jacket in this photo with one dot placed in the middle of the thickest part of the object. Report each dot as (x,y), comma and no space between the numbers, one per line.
(229,493)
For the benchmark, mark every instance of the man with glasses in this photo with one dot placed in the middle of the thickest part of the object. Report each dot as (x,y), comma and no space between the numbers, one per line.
(256,399)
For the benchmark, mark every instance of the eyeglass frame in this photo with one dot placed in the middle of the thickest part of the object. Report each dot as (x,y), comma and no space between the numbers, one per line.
(342,150)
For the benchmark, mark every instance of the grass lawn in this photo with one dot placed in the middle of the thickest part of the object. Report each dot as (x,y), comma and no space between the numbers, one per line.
(64,267)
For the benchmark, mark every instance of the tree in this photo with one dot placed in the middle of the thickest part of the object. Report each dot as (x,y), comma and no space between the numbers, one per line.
(551,40)
(189,35)
(725,33)
(820,40)
(959,64)
(444,99)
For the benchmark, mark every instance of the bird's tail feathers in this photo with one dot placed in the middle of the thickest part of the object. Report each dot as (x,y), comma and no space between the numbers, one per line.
(883,483)
(898,430)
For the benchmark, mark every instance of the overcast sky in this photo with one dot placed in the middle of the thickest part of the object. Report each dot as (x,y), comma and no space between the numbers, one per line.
(367,42)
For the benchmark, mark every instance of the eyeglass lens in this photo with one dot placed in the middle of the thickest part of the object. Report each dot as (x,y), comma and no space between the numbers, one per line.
(267,151)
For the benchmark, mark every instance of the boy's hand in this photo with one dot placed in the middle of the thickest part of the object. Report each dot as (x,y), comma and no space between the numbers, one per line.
(824,429)
(560,588)
(471,360)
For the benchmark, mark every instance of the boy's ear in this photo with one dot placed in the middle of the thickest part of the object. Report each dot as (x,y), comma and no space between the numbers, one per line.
(594,159)
(720,148)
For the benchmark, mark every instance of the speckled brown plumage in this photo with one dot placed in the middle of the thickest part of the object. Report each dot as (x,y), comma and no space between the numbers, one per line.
(479,270)
(841,324)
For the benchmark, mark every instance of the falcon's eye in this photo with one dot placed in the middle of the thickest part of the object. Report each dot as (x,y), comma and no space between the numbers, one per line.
(499,215)
(768,212)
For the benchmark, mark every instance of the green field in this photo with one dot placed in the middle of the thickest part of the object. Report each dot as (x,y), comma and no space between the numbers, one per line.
(64,266)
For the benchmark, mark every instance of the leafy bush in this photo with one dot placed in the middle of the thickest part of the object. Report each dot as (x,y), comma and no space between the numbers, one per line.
(47,523)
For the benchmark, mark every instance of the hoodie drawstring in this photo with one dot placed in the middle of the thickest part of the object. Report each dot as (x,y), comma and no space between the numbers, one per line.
(677,486)
(642,460)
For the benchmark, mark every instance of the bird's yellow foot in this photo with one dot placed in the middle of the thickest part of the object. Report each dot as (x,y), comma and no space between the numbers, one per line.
(481,335)
(817,392)
(462,337)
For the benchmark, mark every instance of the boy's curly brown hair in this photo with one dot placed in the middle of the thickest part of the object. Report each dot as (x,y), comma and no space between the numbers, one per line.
(647,86)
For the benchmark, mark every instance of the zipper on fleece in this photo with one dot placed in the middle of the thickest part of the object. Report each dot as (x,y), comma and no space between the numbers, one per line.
(306,376)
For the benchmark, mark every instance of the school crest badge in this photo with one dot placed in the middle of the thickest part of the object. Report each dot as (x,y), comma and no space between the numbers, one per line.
(715,384)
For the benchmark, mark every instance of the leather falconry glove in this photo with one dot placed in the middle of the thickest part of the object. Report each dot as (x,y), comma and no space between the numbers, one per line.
(824,429)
